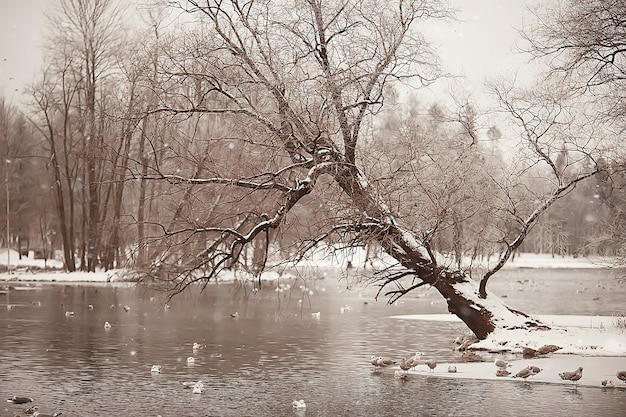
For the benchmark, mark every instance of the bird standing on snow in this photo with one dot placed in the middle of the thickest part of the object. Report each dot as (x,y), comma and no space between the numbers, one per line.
(415,359)
(452,369)
(524,373)
(404,365)
(621,375)
(471,357)
(544,350)
(534,369)
(573,376)
(432,364)
(502,364)
(502,372)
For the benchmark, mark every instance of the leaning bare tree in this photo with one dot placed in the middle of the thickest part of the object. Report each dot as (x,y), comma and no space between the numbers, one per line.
(299,82)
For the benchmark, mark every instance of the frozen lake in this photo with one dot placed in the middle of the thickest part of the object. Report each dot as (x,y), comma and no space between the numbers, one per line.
(275,351)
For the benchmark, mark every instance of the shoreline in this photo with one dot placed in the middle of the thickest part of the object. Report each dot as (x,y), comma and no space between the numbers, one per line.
(23,273)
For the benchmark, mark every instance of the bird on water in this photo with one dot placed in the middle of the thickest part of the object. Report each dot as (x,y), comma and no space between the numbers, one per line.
(374,361)
(19,400)
(384,362)
(607,383)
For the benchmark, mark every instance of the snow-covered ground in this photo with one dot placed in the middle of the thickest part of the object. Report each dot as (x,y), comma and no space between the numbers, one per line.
(323,258)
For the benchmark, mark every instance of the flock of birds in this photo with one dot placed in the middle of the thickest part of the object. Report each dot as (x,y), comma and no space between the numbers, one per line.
(21,400)
(196,387)
(379,363)
(502,366)
(405,364)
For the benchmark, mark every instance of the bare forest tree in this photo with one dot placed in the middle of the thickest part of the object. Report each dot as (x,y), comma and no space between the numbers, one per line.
(232,132)
(583,44)
(299,82)
(70,100)
(21,193)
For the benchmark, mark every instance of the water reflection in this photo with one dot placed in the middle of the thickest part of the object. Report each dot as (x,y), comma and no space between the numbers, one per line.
(273,353)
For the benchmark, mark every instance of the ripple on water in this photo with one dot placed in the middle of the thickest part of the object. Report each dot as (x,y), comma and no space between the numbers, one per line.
(255,365)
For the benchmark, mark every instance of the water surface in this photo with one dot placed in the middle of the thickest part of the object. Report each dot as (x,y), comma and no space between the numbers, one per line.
(274,352)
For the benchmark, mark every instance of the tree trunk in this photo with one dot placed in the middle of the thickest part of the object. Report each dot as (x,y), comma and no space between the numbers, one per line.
(66,236)
(92,220)
(141,206)
(482,314)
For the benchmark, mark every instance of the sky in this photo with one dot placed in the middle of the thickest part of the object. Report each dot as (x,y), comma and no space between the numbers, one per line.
(478,45)
(21,36)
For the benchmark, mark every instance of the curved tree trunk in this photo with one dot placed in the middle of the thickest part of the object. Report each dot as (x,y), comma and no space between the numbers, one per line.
(481,312)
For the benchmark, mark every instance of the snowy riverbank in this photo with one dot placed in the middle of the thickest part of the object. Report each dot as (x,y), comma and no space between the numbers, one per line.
(29,270)
(597,343)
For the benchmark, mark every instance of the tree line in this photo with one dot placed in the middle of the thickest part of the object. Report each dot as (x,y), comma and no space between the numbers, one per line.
(107,160)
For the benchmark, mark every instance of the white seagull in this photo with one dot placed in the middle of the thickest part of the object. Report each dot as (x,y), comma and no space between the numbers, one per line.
(298,404)
(608,383)
(197,388)
(415,359)
(189,385)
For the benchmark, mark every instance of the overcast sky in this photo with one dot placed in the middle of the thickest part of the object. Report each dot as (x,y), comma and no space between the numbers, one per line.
(20,39)
(478,46)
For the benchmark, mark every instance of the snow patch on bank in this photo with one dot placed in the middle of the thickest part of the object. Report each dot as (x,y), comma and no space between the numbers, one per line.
(581,335)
